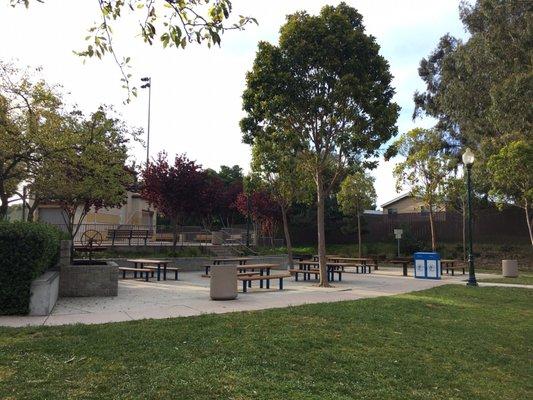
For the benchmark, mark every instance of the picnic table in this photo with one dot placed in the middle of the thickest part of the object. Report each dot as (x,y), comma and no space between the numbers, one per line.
(328,256)
(332,268)
(251,269)
(362,260)
(404,262)
(238,260)
(451,265)
(160,264)
(248,269)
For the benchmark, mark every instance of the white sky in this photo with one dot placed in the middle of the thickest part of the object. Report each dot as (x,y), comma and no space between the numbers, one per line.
(196,92)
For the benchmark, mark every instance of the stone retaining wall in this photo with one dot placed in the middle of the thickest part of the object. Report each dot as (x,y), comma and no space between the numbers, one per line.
(88,280)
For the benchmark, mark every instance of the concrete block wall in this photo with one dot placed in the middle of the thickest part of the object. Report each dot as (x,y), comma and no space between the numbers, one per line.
(88,280)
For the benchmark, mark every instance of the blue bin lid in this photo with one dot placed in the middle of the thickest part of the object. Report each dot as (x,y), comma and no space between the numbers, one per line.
(427,255)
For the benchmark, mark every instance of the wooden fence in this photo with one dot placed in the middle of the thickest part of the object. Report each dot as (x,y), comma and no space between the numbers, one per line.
(491,226)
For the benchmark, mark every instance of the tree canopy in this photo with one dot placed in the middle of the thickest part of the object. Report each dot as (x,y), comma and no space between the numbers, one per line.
(325,92)
(356,194)
(173,23)
(424,170)
(512,177)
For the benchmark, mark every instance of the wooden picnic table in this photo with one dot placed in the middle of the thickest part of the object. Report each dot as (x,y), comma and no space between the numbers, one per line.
(362,260)
(331,268)
(403,262)
(328,256)
(451,265)
(160,264)
(261,269)
(238,260)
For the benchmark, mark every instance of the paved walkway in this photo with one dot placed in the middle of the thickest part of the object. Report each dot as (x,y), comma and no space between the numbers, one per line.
(190,296)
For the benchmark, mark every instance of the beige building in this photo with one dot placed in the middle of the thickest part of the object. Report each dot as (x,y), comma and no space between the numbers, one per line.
(406,203)
(135,211)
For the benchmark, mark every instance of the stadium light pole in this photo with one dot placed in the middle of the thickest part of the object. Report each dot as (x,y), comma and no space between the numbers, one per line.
(148,84)
(468,160)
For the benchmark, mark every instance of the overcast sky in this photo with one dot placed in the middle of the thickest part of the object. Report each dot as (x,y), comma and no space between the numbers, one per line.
(196,97)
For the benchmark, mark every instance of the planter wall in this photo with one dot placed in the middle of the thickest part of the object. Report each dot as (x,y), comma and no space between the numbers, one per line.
(44,292)
(89,280)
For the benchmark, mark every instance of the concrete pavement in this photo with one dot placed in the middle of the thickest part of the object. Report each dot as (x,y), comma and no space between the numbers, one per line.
(190,296)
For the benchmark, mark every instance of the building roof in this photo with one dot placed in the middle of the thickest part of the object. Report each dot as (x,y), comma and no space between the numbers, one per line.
(401,197)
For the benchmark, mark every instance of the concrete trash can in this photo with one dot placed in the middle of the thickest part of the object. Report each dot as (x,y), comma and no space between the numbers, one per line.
(510,268)
(223,285)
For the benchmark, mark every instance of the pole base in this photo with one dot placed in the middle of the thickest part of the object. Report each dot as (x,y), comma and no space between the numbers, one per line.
(471,282)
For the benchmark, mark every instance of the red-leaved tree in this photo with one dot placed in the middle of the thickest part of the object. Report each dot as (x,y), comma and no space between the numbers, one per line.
(174,190)
(263,210)
(212,195)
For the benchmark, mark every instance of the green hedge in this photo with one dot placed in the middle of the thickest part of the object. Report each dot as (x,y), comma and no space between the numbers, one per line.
(26,251)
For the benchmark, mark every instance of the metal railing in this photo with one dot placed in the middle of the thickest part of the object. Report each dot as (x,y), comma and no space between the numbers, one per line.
(163,235)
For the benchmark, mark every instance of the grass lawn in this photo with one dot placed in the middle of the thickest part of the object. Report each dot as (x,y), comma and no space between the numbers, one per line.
(450,342)
(523,279)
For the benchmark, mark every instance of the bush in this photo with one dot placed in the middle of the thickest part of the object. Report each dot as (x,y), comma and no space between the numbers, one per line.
(26,251)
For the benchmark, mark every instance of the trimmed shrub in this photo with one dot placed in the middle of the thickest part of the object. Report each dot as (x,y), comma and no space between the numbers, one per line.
(26,251)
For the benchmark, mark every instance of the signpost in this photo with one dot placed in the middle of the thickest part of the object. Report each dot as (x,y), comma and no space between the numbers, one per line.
(398,235)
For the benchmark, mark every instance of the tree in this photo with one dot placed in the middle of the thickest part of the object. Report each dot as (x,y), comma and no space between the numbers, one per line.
(456,199)
(262,209)
(31,128)
(325,92)
(512,179)
(173,23)
(480,89)
(90,173)
(174,190)
(356,194)
(424,170)
(212,193)
(283,177)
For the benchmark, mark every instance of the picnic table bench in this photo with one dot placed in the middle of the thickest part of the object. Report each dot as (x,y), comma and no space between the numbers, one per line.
(247,280)
(166,269)
(129,234)
(135,271)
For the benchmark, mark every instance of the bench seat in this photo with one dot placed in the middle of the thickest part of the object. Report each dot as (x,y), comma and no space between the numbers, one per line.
(153,268)
(135,270)
(248,279)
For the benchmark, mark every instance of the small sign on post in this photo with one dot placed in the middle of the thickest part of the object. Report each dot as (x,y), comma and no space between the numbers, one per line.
(398,234)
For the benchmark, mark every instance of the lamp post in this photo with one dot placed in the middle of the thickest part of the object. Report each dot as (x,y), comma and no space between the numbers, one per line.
(148,84)
(468,160)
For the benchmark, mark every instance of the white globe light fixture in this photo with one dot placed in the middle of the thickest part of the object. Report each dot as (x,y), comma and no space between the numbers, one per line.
(468,157)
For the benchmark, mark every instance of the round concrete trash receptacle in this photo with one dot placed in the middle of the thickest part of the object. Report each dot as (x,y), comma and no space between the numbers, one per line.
(510,268)
(223,285)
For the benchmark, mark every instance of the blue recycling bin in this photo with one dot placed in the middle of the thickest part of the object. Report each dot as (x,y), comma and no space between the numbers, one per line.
(427,265)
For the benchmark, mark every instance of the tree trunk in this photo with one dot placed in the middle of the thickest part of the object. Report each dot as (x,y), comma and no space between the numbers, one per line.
(359,234)
(432,226)
(3,207)
(287,235)
(174,235)
(529,222)
(321,230)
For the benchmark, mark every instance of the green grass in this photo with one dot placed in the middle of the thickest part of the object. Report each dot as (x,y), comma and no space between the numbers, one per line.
(450,342)
(522,279)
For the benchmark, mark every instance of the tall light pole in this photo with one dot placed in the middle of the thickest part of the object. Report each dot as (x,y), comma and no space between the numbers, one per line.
(148,84)
(468,160)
